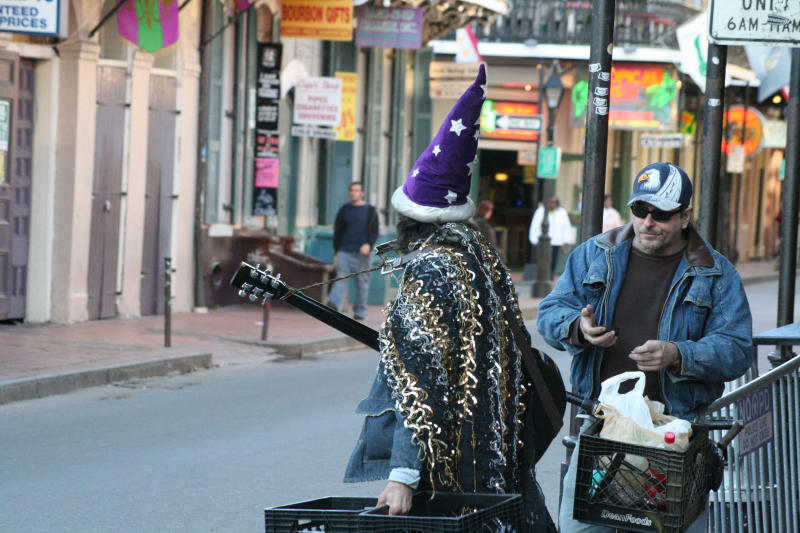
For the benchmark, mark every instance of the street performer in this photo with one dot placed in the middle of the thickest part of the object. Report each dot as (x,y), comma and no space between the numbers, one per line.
(446,410)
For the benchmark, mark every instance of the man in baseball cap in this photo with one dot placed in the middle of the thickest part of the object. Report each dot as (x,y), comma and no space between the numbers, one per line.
(652,296)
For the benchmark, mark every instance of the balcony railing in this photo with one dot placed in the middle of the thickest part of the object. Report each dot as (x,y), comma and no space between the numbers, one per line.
(651,22)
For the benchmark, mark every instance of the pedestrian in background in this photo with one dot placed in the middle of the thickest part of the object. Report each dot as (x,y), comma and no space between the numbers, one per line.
(354,234)
(481,220)
(559,230)
(611,218)
(678,309)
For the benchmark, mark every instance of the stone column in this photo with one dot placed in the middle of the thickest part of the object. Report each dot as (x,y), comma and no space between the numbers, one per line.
(74,173)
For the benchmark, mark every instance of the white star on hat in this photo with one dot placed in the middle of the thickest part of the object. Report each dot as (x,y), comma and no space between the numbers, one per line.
(484,89)
(436,150)
(450,196)
(456,126)
(416,171)
(471,164)
(477,133)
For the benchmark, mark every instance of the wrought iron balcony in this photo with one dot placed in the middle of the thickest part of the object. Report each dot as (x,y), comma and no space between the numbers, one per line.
(651,22)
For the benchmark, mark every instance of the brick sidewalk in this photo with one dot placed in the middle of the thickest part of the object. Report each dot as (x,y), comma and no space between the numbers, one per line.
(232,335)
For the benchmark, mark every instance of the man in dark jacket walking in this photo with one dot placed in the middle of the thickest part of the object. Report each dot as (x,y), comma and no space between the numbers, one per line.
(354,233)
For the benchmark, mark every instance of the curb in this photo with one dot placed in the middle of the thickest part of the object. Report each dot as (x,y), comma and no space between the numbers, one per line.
(50,384)
(752,280)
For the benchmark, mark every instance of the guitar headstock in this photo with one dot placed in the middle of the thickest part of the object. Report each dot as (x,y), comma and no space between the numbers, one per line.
(255,283)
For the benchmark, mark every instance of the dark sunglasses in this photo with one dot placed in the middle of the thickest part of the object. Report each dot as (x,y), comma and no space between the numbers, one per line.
(639,210)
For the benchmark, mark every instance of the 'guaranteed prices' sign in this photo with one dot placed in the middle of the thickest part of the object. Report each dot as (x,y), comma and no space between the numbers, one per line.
(776,22)
(34,17)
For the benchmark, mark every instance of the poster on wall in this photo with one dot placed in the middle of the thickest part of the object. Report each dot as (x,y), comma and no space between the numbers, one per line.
(346,130)
(643,97)
(266,164)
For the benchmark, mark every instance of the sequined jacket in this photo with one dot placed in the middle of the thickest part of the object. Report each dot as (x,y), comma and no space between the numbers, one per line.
(706,315)
(448,364)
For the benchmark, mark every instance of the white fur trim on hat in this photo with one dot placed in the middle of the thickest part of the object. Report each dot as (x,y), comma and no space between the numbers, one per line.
(423,213)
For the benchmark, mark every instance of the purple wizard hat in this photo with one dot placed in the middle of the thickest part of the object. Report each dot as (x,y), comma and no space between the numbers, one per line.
(437,188)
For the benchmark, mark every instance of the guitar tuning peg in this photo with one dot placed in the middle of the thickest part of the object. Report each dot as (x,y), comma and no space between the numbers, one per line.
(254,272)
(242,293)
(267,297)
(253,297)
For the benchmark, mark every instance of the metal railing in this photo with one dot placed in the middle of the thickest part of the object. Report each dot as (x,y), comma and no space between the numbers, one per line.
(760,489)
(650,22)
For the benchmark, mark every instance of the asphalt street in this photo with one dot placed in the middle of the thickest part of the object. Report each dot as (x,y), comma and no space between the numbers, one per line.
(206,451)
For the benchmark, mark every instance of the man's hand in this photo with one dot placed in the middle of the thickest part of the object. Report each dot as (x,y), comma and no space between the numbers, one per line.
(655,355)
(592,333)
(397,496)
(365,249)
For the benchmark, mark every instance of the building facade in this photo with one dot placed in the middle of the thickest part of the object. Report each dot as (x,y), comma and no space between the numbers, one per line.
(99,174)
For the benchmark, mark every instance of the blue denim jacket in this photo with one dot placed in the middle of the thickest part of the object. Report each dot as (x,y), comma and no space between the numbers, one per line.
(384,443)
(706,315)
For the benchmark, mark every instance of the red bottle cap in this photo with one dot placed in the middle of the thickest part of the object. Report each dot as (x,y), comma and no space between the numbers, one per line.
(669,437)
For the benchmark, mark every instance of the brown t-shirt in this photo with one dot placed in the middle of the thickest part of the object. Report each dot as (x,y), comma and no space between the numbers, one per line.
(638,310)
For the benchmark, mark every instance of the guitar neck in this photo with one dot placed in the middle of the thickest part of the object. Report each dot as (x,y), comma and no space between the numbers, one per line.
(335,319)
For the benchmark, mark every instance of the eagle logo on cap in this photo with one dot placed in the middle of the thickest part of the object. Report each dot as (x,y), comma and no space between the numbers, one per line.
(651,179)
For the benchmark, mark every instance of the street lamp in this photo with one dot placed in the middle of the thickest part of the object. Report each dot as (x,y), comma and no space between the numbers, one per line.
(553,92)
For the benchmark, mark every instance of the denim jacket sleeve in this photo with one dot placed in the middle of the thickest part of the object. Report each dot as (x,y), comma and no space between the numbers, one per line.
(559,309)
(724,349)
(384,442)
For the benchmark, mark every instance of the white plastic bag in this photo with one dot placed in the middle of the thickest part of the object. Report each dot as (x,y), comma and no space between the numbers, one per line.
(631,404)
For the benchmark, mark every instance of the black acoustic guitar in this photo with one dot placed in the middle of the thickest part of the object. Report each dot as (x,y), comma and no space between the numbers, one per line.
(260,286)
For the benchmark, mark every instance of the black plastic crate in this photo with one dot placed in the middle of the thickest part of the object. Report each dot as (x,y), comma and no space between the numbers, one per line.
(449,512)
(333,514)
(639,488)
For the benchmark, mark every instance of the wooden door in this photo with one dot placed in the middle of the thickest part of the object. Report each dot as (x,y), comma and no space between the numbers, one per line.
(9,73)
(106,192)
(22,162)
(159,192)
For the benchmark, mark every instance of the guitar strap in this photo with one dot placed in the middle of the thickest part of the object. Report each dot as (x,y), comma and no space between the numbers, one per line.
(529,358)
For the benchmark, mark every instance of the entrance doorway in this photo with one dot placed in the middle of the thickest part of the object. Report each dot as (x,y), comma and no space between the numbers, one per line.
(510,187)
(16,157)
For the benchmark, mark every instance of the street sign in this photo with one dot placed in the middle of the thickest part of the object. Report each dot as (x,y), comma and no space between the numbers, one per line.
(459,71)
(735,162)
(549,162)
(663,140)
(508,122)
(448,88)
(318,132)
(755,410)
(775,22)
